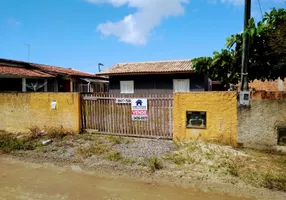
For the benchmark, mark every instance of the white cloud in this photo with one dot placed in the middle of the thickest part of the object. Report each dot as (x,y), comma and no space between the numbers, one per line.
(235,2)
(13,21)
(135,28)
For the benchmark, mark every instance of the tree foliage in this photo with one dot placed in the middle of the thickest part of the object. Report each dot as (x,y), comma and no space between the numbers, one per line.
(267,52)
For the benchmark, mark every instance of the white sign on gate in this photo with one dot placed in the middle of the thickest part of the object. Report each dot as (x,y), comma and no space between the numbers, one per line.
(139,109)
(122,101)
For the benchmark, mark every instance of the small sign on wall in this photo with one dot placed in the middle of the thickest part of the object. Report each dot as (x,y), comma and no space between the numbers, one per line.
(123,101)
(139,109)
(54,105)
(244,98)
(196,119)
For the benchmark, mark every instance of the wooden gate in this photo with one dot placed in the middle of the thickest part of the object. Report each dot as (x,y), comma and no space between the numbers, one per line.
(102,114)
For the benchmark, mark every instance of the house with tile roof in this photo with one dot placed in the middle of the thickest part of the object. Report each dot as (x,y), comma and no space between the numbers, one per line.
(19,76)
(158,77)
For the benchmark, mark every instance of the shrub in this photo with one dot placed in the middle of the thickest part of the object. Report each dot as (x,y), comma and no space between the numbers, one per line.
(97,148)
(58,133)
(275,181)
(114,156)
(154,164)
(9,142)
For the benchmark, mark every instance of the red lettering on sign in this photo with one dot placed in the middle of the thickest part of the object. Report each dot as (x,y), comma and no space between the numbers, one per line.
(139,112)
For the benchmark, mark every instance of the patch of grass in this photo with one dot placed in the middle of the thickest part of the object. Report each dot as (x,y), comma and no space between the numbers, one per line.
(155,164)
(86,137)
(232,168)
(9,142)
(58,133)
(128,161)
(210,154)
(97,148)
(114,156)
(282,160)
(35,133)
(270,180)
(118,139)
(176,158)
(275,181)
(142,164)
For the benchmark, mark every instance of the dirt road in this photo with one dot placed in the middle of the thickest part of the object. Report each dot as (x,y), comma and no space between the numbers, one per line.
(29,181)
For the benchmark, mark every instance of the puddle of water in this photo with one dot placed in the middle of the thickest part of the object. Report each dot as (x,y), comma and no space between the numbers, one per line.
(27,181)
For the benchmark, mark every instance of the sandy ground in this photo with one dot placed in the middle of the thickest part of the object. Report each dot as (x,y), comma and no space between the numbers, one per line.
(22,180)
(204,172)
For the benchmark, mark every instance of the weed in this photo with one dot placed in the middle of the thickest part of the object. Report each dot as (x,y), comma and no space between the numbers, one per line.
(282,160)
(118,139)
(155,164)
(142,164)
(209,155)
(86,137)
(177,158)
(35,133)
(177,145)
(233,170)
(9,142)
(270,180)
(128,161)
(114,156)
(58,133)
(97,148)
(275,181)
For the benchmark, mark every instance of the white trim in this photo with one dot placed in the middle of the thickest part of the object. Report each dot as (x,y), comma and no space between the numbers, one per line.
(24,88)
(46,86)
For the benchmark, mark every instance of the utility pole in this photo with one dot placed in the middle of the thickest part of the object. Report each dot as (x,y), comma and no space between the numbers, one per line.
(28,51)
(245,48)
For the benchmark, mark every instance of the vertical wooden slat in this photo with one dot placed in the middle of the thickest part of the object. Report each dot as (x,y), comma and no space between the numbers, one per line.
(112,113)
(163,121)
(92,113)
(116,119)
(88,114)
(156,117)
(124,119)
(100,114)
(129,118)
(105,114)
(160,115)
(152,116)
(97,117)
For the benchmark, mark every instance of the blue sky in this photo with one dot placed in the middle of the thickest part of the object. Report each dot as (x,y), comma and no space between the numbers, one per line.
(81,33)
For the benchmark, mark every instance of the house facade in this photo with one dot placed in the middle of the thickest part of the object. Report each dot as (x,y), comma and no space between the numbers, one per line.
(159,77)
(18,76)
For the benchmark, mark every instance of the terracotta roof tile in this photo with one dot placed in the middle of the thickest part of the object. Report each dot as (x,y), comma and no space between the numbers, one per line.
(156,67)
(61,70)
(21,71)
(53,69)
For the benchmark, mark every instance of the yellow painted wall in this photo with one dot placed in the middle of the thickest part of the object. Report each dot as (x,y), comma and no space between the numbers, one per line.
(221,110)
(21,111)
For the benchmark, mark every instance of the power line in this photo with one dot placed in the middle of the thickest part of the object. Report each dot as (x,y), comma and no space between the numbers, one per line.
(260,8)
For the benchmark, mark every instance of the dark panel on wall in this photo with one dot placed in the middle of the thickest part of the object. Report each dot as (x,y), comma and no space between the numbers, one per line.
(10,85)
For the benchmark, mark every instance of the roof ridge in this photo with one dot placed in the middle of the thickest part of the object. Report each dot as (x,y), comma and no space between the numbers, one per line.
(40,64)
(160,61)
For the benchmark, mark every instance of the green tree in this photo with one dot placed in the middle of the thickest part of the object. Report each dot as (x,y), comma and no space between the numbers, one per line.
(267,53)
